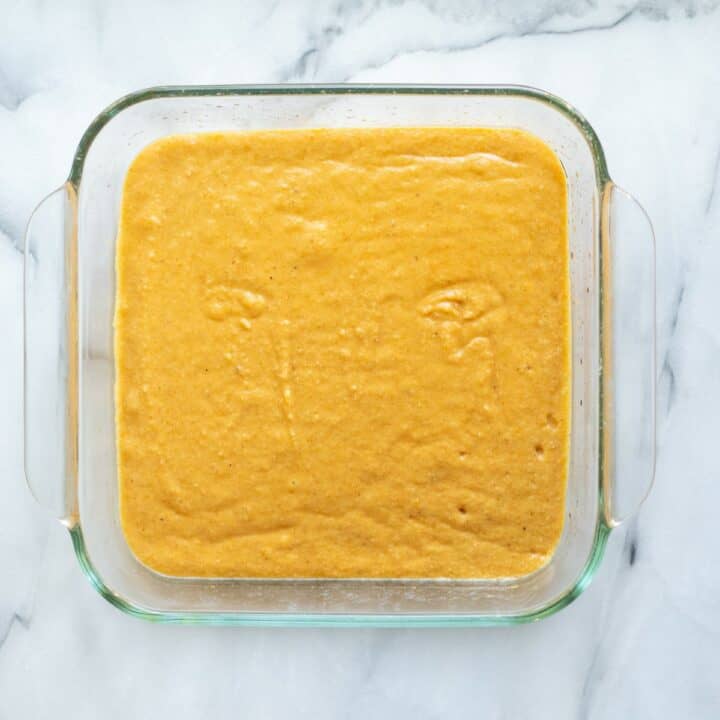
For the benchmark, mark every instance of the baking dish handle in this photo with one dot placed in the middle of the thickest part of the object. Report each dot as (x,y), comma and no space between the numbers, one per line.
(50,354)
(629,365)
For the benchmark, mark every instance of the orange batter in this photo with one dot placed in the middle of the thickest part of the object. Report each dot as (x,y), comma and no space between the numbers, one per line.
(343,353)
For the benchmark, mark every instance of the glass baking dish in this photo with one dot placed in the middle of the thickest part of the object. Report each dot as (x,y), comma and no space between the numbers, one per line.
(70,457)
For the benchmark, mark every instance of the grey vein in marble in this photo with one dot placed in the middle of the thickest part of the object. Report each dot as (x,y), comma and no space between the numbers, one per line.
(667,384)
(714,182)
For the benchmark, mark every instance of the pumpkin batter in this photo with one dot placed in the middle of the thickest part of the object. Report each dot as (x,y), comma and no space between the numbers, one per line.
(343,353)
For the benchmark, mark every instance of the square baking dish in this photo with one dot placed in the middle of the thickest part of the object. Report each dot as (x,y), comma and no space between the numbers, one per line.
(70,454)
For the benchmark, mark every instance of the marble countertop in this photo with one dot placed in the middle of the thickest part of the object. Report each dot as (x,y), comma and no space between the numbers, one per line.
(643,640)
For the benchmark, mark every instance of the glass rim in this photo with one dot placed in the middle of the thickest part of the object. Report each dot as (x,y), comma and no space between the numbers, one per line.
(341,619)
(248,90)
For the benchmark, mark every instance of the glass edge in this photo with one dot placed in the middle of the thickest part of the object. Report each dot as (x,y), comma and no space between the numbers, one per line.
(340,620)
(604,348)
(151,93)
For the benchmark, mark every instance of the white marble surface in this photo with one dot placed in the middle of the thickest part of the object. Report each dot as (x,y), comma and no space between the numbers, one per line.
(644,640)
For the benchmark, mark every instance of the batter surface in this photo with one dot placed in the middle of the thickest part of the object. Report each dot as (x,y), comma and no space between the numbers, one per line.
(343,353)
